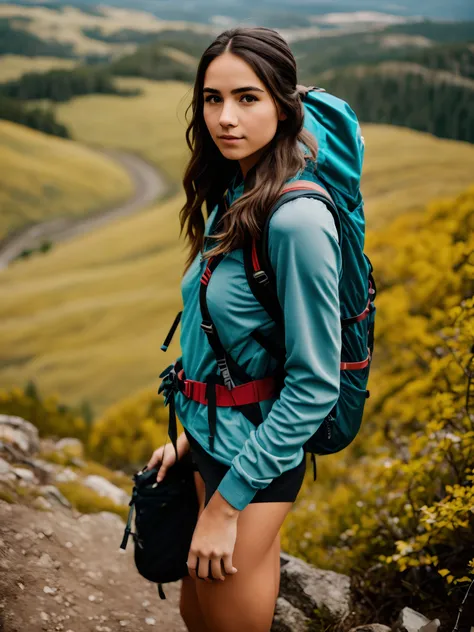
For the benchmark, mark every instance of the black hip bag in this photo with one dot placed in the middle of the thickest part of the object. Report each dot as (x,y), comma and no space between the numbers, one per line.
(165,518)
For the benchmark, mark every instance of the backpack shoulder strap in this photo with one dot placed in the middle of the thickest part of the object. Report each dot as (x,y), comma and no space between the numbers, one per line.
(258,268)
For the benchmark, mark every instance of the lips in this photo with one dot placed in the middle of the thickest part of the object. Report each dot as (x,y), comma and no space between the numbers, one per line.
(231,137)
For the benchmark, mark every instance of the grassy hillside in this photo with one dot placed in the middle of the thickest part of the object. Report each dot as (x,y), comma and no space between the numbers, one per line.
(13,66)
(42,177)
(404,169)
(152,124)
(90,321)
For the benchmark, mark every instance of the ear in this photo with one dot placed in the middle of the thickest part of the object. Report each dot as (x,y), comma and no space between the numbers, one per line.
(282,116)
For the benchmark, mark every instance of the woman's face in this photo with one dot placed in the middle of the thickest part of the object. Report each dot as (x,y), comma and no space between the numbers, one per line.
(251,115)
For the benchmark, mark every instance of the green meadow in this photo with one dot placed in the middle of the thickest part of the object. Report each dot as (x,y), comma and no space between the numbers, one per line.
(87,320)
(13,66)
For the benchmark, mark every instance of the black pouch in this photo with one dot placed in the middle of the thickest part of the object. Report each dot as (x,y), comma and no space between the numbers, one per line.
(165,519)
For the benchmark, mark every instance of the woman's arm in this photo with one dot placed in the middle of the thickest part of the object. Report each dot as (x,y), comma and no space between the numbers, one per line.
(304,252)
(182,445)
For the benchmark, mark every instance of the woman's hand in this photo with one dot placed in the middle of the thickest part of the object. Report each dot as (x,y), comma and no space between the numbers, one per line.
(213,542)
(168,457)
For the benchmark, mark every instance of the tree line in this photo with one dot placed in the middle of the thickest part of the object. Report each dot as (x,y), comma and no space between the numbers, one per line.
(19,42)
(410,100)
(37,118)
(62,85)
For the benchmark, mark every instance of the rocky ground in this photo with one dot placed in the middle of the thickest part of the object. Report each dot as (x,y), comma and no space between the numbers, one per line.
(62,570)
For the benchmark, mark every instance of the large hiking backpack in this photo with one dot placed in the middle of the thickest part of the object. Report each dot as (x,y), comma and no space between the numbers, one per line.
(335,181)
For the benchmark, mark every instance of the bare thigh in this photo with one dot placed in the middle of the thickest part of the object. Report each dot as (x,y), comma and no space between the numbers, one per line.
(247,599)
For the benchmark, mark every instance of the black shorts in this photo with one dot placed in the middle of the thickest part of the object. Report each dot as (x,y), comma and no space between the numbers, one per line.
(284,488)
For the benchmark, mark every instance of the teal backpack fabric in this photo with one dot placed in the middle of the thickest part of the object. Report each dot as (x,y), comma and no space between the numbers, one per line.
(338,170)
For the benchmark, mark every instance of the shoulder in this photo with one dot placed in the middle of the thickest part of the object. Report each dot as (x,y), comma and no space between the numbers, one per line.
(301,217)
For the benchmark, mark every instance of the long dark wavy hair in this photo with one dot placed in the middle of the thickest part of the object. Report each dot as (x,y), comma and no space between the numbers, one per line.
(208,173)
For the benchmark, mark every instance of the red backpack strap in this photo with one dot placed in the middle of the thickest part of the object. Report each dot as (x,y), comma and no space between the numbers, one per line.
(297,185)
(304,185)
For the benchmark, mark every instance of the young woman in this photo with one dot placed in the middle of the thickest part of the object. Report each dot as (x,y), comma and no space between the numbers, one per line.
(247,141)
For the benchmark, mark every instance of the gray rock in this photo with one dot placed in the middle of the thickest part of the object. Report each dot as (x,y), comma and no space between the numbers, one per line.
(65,476)
(5,466)
(409,621)
(25,474)
(287,618)
(22,434)
(52,493)
(105,488)
(432,626)
(45,468)
(308,588)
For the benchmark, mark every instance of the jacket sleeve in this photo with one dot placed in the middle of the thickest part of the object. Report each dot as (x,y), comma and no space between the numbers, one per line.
(304,252)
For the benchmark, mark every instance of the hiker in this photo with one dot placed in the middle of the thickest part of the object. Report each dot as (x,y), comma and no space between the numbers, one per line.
(260,373)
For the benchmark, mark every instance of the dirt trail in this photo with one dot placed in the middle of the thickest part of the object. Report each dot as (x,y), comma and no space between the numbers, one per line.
(148,186)
(63,570)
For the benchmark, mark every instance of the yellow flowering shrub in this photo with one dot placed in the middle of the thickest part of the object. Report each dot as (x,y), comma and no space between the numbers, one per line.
(47,413)
(395,510)
(128,432)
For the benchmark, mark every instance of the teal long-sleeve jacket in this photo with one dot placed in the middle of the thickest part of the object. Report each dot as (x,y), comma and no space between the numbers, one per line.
(304,251)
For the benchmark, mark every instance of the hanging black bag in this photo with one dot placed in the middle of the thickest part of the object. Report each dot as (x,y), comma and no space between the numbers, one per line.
(165,518)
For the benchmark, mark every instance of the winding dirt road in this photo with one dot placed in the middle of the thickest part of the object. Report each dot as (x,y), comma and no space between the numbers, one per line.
(148,183)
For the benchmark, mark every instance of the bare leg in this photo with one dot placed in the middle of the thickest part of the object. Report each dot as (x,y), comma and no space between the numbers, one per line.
(277,545)
(247,600)
(189,607)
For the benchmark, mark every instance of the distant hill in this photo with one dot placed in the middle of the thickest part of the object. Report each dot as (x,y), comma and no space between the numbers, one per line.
(277,11)
(14,66)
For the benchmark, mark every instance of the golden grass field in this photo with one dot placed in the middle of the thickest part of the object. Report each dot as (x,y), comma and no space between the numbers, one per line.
(42,177)
(152,124)
(13,66)
(87,320)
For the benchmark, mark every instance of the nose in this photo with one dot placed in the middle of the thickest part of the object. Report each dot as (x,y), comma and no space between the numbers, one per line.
(228,115)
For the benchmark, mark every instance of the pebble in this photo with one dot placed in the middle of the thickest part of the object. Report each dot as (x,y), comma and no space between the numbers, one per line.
(44,616)
(45,561)
(49,591)
(150,621)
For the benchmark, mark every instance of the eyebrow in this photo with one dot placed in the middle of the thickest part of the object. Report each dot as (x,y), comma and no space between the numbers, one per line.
(236,91)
